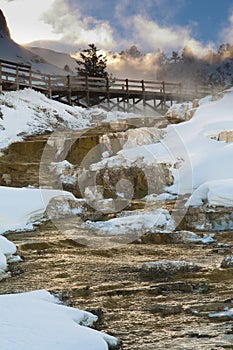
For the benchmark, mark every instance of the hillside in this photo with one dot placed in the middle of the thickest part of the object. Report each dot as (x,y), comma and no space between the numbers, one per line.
(59,59)
(11,51)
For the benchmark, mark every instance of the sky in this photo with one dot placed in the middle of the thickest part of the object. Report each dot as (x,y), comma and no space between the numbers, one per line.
(118,24)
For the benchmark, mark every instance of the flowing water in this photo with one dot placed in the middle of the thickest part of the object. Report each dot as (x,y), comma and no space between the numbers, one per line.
(145,313)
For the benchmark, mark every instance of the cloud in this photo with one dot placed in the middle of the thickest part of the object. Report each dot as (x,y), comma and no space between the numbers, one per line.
(150,36)
(77,29)
(23,18)
(226,34)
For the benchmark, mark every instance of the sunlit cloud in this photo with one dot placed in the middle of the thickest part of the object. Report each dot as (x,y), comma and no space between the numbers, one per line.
(24,20)
(150,36)
(226,35)
(76,29)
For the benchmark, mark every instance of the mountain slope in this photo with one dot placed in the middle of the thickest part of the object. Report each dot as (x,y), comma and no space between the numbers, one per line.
(60,59)
(11,51)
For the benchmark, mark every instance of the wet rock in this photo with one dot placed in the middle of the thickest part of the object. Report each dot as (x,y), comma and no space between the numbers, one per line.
(195,103)
(100,314)
(179,287)
(225,315)
(166,268)
(62,206)
(166,310)
(226,136)
(207,218)
(176,237)
(227,262)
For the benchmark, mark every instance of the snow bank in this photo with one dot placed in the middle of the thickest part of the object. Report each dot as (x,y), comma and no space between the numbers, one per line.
(35,321)
(138,221)
(7,251)
(21,207)
(214,193)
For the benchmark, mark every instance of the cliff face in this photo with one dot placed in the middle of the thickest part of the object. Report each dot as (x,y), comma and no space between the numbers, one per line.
(4,30)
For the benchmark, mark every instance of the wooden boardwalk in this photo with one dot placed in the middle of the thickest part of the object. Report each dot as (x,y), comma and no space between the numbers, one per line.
(120,94)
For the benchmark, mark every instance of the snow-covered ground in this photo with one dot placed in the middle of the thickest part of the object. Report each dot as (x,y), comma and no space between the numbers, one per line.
(27,112)
(35,321)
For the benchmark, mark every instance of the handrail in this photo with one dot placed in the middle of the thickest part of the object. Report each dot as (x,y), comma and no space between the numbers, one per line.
(22,75)
(15,63)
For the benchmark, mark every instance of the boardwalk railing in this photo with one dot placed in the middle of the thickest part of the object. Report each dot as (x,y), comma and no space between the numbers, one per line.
(14,76)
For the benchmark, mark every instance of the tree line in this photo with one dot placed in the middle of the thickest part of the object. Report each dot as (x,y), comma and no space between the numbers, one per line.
(211,68)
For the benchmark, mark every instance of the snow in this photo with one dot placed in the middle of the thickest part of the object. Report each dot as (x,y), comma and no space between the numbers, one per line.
(7,254)
(27,113)
(21,207)
(160,197)
(137,221)
(35,321)
(227,313)
(64,170)
(7,251)
(3,264)
(214,193)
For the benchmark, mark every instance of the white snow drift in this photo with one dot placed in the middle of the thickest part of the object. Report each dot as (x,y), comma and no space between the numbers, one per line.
(35,321)
(21,207)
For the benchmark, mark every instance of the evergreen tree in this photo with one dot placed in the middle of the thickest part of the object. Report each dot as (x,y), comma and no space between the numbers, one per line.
(175,56)
(91,64)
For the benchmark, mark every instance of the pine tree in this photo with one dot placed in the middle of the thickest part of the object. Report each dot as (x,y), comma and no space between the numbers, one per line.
(91,64)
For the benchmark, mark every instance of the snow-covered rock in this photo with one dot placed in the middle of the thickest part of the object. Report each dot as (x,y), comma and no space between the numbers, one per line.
(137,222)
(160,268)
(191,237)
(227,262)
(7,251)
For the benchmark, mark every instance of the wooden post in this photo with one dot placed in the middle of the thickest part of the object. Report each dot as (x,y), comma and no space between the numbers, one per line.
(127,84)
(30,78)
(0,76)
(164,95)
(69,90)
(180,91)
(143,93)
(49,87)
(17,78)
(87,91)
(107,84)
(107,90)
